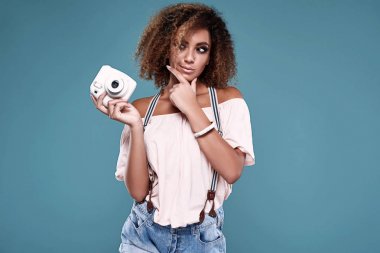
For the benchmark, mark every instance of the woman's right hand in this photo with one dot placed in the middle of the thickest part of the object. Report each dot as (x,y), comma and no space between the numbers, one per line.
(119,110)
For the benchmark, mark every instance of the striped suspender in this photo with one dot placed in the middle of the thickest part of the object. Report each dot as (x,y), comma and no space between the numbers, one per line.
(214,181)
(152,106)
(214,104)
(148,114)
(211,192)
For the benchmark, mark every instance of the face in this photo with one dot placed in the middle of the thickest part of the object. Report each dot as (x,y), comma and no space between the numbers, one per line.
(193,53)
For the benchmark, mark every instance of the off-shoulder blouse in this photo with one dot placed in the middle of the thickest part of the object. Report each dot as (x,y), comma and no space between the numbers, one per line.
(183,173)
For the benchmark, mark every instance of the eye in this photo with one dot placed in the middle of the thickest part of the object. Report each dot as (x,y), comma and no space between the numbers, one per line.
(202,50)
(181,46)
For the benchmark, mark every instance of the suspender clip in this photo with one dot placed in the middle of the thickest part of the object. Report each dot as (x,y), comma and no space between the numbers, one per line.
(210,195)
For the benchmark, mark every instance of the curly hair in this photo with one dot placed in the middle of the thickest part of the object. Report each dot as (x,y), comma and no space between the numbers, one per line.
(169,26)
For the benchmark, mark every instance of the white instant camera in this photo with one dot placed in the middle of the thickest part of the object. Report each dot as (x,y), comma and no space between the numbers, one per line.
(115,83)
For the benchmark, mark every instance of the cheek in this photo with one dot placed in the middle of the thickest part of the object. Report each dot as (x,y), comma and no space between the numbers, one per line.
(175,58)
(203,63)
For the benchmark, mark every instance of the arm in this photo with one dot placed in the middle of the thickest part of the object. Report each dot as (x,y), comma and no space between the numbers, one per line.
(136,178)
(228,162)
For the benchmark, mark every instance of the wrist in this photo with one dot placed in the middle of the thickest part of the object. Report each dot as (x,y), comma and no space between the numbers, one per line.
(205,130)
(137,126)
(193,110)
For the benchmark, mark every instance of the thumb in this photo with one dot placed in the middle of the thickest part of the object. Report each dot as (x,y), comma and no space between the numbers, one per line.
(194,85)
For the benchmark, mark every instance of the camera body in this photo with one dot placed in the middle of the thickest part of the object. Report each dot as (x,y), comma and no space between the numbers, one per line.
(115,83)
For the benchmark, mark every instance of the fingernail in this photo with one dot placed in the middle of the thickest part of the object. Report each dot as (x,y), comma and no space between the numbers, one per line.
(168,67)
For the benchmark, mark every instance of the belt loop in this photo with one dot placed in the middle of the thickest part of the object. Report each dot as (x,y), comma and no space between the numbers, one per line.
(194,229)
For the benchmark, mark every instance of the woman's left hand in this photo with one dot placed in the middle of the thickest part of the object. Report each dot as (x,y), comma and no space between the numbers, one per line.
(183,94)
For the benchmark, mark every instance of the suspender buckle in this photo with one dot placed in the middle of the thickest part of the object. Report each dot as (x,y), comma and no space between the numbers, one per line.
(201,216)
(212,212)
(210,195)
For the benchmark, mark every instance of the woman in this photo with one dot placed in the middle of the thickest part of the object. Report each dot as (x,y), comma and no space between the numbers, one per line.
(182,149)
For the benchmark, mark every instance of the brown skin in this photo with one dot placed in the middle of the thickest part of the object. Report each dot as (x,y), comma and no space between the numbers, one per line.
(184,89)
(136,179)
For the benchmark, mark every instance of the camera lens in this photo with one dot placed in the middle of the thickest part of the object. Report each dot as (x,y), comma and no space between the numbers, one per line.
(114,87)
(115,84)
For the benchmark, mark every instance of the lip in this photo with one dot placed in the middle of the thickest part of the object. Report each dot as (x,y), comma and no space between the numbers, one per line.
(186,69)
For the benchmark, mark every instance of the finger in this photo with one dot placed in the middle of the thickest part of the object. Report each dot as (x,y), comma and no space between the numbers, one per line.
(117,109)
(177,74)
(194,85)
(110,108)
(115,101)
(111,114)
(119,105)
(99,102)
(122,104)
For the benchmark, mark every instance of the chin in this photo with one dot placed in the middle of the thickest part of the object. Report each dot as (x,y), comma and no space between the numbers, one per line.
(189,78)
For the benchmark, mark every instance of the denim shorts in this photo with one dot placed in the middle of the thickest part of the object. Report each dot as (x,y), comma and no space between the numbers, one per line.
(141,234)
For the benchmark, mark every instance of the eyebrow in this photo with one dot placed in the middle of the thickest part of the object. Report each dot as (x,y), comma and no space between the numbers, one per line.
(198,44)
(202,43)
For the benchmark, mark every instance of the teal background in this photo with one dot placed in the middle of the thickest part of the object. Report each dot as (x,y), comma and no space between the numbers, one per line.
(309,71)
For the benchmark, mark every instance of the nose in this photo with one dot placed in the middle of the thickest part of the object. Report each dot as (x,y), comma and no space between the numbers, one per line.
(189,57)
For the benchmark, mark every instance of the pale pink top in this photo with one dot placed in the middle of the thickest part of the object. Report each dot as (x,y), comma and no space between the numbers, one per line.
(183,173)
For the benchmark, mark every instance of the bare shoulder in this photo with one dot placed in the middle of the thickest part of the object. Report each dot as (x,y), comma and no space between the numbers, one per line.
(141,105)
(229,93)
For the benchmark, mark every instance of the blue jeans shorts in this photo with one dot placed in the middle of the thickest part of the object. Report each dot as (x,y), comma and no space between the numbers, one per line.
(141,234)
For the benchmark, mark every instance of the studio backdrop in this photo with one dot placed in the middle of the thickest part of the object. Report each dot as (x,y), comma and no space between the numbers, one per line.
(308,70)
